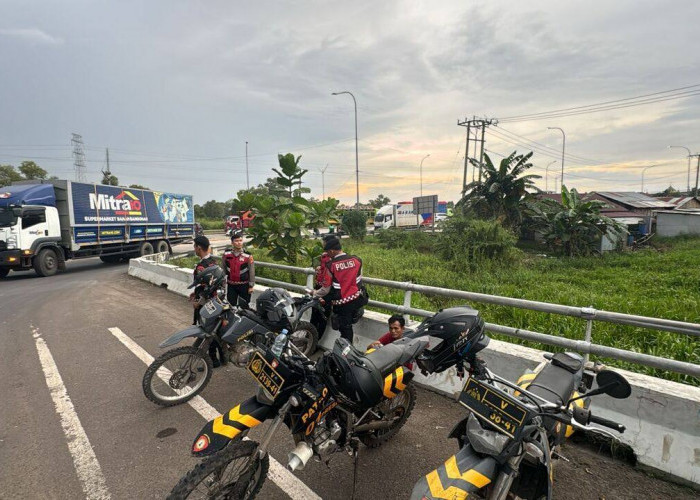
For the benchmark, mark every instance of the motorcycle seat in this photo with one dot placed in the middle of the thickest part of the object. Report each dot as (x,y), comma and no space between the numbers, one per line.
(389,357)
(553,383)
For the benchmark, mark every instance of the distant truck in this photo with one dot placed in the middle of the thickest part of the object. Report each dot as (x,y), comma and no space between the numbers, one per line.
(400,215)
(44,224)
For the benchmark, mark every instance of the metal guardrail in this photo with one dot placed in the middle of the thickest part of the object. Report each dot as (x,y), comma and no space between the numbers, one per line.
(588,314)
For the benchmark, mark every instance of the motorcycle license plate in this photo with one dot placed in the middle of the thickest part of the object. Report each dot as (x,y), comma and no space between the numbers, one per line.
(505,413)
(265,374)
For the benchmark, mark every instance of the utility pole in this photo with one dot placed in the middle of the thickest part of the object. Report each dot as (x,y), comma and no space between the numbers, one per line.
(323,180)
(357,161)
(247,179)
(477,127)
(546,176)
(78,157)
(563,148)
(697,174)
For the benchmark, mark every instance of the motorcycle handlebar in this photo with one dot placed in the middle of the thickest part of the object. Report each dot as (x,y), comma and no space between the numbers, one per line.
(607,423)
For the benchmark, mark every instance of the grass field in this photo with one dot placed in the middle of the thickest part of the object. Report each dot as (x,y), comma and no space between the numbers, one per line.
(662,282)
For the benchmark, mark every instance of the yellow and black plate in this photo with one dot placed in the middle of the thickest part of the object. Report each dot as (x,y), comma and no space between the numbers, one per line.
(265,374)
(505,413)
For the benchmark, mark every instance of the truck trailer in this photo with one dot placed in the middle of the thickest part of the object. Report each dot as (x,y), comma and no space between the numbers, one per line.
(400,215)
(45,223)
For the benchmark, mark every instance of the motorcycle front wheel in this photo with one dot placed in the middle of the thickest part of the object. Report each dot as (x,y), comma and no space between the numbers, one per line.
(305,338)
(232,473)
(177,376)
(397,409)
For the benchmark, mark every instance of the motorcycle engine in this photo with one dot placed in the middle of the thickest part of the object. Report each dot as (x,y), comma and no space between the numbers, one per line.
(325,436)
(240,353)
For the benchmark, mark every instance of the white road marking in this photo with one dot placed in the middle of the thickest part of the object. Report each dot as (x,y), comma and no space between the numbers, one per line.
(288,482)
(84,460)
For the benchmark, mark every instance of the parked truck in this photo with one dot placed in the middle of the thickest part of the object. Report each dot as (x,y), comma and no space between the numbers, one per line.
(400,215)
(43,224)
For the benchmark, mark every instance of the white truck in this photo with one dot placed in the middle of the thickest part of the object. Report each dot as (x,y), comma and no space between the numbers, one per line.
(400,215)
(44,224)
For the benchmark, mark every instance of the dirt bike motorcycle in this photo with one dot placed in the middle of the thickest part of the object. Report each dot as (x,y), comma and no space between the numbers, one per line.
(180,374)
(513,432)
(331,405)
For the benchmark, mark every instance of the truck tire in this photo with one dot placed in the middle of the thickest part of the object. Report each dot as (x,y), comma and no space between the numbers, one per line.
(146,248)
(111,259)
(46,262)
(162,247)
(4,271)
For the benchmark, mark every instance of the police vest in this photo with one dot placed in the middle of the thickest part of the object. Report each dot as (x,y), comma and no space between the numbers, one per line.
(238,267)
(346,278)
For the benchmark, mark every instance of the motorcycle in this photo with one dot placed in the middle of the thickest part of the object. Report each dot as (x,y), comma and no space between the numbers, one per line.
(180,374)
(512,432)
(345,398)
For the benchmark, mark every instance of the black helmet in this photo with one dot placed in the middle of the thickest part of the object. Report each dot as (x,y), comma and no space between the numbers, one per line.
(209,280)
(236,233)
(275,306)
(460,331)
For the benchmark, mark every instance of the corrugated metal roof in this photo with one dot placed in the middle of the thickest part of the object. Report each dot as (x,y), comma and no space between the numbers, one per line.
(636,200)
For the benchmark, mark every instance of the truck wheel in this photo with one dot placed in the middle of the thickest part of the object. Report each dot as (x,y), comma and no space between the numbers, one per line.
(46,262)
(162,247)
(146,248)
(110,259)
(4,271)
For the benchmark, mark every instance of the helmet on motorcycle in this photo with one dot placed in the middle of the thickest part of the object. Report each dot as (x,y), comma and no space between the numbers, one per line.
(460,331)
(275,306)
(210,280)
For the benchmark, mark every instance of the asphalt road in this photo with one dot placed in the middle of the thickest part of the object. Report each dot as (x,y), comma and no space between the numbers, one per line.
(74,422)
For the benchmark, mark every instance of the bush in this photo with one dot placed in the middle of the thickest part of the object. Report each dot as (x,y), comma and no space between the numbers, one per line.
(210,224)
(355,224)
(416,241)
(476,240)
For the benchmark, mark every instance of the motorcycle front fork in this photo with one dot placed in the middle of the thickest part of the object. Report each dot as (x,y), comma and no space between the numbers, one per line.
(505,479)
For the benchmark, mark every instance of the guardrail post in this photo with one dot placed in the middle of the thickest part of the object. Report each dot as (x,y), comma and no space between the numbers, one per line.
(310,281)
(588,313)
(407,301)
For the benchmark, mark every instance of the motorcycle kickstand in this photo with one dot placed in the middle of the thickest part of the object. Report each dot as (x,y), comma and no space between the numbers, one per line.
(355,446)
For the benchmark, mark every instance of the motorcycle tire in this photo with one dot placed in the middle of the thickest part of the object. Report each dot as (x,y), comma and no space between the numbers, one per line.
(216,465)
(374,439)
(169,400)
(307,340)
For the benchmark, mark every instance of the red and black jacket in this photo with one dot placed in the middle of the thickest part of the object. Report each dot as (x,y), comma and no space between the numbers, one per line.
(201,266)
(345,277)
(238,267)
(322,269)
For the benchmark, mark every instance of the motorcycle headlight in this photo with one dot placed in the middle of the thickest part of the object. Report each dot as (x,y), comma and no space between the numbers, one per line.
(11,242)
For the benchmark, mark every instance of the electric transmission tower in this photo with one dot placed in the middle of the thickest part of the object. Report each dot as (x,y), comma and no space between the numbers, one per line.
(78,157)
(476,135)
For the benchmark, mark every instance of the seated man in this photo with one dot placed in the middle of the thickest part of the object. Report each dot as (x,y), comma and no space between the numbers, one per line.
(396,330)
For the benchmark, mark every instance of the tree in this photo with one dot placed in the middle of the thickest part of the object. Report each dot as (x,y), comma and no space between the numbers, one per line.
(355,223)
(574,227)
(214,209)
(503,192)
(379,201)
(109,180)
(138,186)
(290,174)
(32,171)
(8,175)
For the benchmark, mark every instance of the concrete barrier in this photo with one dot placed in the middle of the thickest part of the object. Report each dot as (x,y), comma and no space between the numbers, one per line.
(662,417)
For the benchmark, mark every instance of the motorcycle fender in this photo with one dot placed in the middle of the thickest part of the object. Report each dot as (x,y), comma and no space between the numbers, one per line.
(396,381)
(459,431)
(192,331)
(218,433)
(461,474)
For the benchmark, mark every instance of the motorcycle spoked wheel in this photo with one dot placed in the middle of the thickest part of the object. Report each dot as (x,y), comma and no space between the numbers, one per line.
(228,474)
(305,338)
(399,406)
(184,373)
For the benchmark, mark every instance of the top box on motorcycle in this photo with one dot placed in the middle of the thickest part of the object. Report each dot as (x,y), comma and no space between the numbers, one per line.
(460,331)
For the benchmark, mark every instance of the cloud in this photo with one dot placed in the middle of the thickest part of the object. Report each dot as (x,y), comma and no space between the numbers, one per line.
(31,35)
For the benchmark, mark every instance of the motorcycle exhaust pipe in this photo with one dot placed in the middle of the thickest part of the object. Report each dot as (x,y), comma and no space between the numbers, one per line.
(298,458)
(374,426)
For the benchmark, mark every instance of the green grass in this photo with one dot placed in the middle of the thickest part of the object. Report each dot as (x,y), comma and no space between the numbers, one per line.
(661,282)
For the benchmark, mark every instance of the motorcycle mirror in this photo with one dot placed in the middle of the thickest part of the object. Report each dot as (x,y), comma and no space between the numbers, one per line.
(613,384)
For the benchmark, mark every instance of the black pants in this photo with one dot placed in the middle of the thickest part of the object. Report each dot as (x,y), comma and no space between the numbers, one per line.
(320,318)
(345,313)
(235,291)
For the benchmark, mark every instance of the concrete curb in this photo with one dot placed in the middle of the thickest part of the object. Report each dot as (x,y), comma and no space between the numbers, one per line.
(662,417)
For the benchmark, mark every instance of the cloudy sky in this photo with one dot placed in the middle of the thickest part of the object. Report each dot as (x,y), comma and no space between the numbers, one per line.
(174,89)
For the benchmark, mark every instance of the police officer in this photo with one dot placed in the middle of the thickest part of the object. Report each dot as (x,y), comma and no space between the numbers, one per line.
(240,270)
(320,318)
(202,250)
(342,285)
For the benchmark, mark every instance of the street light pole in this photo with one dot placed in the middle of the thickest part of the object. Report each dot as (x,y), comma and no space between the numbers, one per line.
(689,155)
(563,148)
(644,170)
(357,161)
(546,176)
(323,180)
(421,174)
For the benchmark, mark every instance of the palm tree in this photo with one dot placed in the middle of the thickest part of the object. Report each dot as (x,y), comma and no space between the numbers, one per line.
(502,192)
(574,226)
